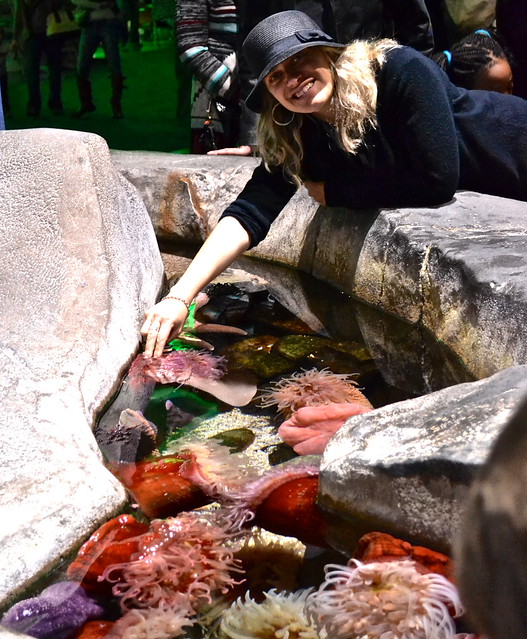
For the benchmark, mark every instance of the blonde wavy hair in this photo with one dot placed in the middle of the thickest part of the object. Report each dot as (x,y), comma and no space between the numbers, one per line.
(354,101)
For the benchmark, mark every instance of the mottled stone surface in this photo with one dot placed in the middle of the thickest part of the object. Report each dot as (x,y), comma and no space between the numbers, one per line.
(406,468)
(80,265)
(458,269)
(491,545)
(185,196)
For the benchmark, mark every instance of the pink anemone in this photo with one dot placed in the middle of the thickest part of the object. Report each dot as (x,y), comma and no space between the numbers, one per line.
(312,388)
(184,554)
(155,623)
(310,428)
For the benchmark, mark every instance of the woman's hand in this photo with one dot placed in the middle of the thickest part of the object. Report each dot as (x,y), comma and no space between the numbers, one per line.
(163,322)
(316,191)
(244,149)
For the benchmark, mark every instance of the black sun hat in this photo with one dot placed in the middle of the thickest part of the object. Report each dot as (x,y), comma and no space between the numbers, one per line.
(273,40)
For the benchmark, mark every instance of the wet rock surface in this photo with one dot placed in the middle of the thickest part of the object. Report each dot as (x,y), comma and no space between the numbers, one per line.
(406,468)
(80,265)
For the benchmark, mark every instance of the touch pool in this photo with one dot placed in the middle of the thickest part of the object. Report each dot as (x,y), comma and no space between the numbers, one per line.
(203,473)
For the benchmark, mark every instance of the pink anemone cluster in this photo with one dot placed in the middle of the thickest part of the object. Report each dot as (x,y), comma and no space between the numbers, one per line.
(177,367)
(386,599)
(184,554)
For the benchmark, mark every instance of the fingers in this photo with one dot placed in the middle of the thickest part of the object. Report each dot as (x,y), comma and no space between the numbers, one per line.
(162,321)
(238,150)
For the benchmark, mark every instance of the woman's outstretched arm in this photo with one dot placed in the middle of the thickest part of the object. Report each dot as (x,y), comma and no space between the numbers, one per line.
(165,320)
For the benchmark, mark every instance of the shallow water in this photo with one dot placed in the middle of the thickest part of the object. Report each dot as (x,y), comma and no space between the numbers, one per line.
(293,326)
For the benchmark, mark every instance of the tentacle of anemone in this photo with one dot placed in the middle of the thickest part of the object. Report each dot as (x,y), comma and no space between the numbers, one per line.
(240,508)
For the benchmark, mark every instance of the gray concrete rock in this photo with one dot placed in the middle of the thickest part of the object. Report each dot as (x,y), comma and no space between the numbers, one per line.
(80,265)
(459,269)
(491,544)
(406,468)
(185,195)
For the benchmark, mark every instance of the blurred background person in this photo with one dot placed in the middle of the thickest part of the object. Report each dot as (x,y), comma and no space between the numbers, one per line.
(101,24)
(31,43)
(206,33)
(4,84)
(511,23)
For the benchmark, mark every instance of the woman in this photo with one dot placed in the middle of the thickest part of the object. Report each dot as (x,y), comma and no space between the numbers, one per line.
(368,125)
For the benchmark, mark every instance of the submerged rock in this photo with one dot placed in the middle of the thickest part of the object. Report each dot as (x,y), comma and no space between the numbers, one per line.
(491,545)
(133,438)
(406,468)
(236,439)
(254,355)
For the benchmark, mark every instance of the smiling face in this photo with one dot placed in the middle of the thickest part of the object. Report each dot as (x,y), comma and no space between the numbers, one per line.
(303,83)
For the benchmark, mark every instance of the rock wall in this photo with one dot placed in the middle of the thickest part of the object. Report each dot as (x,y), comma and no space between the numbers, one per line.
(458,269)
(80,265)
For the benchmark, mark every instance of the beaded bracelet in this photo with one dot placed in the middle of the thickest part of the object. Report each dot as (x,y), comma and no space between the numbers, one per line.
(179,299)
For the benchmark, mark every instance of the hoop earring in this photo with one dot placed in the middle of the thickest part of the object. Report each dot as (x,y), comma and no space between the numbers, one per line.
(281,123)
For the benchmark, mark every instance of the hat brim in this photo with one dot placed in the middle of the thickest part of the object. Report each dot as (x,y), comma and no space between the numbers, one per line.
(255,99)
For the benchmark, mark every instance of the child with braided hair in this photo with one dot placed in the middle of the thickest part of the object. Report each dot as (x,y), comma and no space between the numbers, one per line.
(478,61)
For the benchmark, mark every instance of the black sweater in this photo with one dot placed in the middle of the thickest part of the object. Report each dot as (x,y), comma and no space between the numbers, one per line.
(432,138)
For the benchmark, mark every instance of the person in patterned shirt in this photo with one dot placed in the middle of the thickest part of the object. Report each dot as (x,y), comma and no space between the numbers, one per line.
(207,39)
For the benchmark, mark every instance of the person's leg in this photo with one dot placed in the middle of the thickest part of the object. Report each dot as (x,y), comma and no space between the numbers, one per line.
(53,48)
(88,43)
(32,56)
(133,32)
(110,40)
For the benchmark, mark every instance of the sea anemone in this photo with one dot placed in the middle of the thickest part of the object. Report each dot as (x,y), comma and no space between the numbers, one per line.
(282,501)
(113,542)
(279,615)
(184,554)
(212,466)
(310,428)
(179,366)
(312,388)
(271,561)
(154,623)
(388,599)
(240,507)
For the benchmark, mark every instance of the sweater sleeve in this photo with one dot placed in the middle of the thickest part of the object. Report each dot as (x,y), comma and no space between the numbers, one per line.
(192,29)
(258,205)
(416,119)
